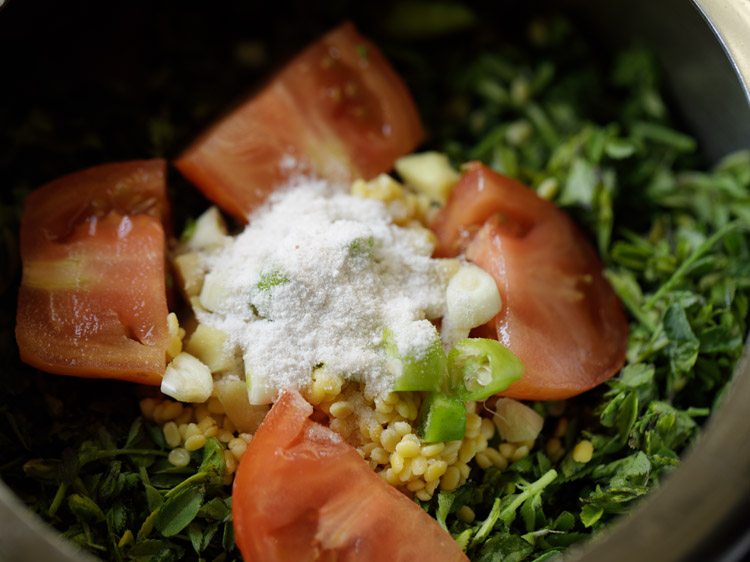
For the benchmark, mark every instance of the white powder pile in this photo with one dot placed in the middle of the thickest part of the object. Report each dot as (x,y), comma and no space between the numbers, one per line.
(315,278)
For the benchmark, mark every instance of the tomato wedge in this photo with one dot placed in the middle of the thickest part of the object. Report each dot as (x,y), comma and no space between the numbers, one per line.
(92,300)
(302,494)
(338,110)
(559,315)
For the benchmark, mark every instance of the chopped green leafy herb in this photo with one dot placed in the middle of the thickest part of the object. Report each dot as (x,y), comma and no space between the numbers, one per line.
(593,135)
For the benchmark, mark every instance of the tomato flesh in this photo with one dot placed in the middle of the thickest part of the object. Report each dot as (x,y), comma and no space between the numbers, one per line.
(92,300)
(301,494)
(559,315)
(338,111)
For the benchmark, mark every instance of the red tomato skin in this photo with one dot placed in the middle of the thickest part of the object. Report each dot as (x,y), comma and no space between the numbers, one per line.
(560,316)
(303,494)
(337,111)
(92,301)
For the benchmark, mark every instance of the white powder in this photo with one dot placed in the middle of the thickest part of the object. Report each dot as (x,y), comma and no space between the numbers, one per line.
(315,278)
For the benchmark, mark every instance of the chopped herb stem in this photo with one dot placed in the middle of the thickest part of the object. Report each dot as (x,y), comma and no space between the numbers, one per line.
(684,268)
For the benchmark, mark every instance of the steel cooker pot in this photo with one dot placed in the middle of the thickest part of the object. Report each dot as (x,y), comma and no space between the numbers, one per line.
(702,512)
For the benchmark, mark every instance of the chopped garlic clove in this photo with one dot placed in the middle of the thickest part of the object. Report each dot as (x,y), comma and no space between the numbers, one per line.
(190,269)
(215,292)
(174,347)
(210,346)
(209,231)
(429,173)
(187,379)
(233,395)
(516,422)
(472,298)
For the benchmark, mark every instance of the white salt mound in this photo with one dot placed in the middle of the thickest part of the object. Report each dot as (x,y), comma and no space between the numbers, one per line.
(315,278)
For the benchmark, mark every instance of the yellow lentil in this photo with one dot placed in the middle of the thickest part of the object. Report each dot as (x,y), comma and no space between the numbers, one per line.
(507,450)
(487,429)
(147,406)
(172,434)
(402,428)
(403,410)
(341,409)
(409,447)
(405,474)
(520,453)
(419,466)
(450,479)
(379,455)
(467,451)
(496,458)
(230,463)
(415,485)
(238,447)
(465,514)
(397,462)
(158,413)
(191,429)
(172,410)
(205,423)
(423,495)
(483,460)
(195,442)
(179,457)
(383,407)
(391,476)
(473,426)
(389,439)
(433,449)
(435,469)
(583,451)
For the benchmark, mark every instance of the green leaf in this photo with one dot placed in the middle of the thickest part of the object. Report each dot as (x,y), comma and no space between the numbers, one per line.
(117,518)
(200,536)
(581,185)
(179,510)
(445,502)
(84,508)
(683,344)
(591,514)
(217,509)
(213,460)
(153,497)
(154,550)
(504,547)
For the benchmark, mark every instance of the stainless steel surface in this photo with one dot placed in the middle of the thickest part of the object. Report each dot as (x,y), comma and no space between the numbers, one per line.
(730,21)
(25,538)
(704,507)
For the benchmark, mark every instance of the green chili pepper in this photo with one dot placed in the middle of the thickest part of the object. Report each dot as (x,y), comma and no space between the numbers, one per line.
(481,367)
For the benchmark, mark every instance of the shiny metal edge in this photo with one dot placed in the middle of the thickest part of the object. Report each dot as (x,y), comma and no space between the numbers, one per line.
(668,526)
(700,511)
(29,539)
(730,22)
